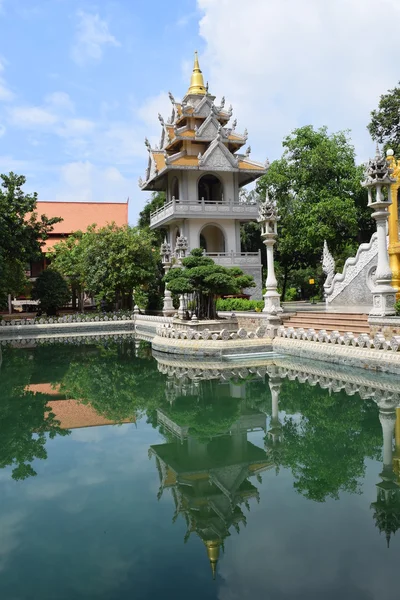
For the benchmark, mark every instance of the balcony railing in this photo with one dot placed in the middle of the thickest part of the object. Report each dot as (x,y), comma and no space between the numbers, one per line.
(186,208)
(235,258)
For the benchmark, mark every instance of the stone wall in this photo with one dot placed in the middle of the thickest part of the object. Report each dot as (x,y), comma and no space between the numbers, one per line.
(256,272)
(388,326)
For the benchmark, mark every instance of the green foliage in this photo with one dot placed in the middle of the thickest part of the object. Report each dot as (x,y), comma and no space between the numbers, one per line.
(325,447)
(109,262)
(384,126)
(21,232)
(115,382)
(205,280)
(25,417)
(317,186)
(291,294)
(397,307)
(51,289)
(69,258)
(238,304)
(212,416)
(156,201)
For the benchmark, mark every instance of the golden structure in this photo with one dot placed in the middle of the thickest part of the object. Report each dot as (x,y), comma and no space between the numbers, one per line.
(196,81)
(394,233)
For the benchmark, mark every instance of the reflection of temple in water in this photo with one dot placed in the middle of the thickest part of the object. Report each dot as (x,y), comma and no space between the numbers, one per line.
(209,478)
(210,494)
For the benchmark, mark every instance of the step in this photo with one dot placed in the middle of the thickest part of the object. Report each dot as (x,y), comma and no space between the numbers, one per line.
(330,316)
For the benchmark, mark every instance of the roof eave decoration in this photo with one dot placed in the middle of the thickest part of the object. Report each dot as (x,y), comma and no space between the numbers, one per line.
(216,145)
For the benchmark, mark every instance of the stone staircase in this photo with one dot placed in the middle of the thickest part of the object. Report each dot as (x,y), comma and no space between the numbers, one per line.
(342,322)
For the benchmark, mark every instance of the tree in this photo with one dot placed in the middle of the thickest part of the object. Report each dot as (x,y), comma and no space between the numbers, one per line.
(21,233)
(51,290)
(69,258)
(385,120)
(118,261)
(204,280)
(317,186)
(109,263)
(156,201)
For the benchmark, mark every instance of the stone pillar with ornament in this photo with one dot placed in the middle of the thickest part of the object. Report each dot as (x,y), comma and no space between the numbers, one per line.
(181,248)
(377,181)
(268,218)
(165,251)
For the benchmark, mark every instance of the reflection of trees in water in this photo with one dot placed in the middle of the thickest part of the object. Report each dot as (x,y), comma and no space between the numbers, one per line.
(325,439)
(25,418)
(118,381)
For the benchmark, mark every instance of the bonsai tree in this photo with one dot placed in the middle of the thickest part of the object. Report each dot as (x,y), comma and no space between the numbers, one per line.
(205,280)
(51,290)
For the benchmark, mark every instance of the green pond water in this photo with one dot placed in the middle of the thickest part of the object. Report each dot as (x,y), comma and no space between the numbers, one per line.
(124,475)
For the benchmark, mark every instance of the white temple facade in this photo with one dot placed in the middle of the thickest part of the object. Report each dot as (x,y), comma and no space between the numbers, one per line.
(199,166)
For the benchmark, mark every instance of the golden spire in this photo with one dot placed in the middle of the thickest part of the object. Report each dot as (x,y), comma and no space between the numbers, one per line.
(213,554)
(196,81)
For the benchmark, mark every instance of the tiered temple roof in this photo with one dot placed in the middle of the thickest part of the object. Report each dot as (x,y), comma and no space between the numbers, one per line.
(197,136)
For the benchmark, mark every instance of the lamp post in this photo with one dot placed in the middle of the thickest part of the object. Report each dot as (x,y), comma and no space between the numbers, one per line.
(268,218)
(165,251)
(377,180)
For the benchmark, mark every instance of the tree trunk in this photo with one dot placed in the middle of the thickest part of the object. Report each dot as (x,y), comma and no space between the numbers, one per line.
(73,299)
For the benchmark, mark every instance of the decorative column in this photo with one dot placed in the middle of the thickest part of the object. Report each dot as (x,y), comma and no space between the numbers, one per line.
(181,248)
(268,217)
(377,181)
(165,251)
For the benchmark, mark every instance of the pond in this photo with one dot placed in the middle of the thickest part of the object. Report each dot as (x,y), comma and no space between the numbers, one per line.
(124,475)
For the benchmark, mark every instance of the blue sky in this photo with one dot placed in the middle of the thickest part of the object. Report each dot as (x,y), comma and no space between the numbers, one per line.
(81,82)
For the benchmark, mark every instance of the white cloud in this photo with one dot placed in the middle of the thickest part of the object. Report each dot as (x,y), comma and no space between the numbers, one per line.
(82,181)
(91,36)
(150,108)
(298,62)
(31,117)
(60,101)
(5,93)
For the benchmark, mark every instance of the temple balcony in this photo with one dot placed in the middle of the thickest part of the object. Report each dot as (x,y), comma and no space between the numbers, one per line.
(237,259)
(183,209)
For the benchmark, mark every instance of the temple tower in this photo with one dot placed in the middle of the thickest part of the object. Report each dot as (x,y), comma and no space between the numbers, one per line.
(199,166)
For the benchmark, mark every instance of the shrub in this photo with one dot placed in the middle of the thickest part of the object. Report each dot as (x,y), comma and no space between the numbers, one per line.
(291,294)
(397,307)
(51,290)
(240,304)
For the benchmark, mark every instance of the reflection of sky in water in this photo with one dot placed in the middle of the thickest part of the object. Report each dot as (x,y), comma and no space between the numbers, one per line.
(89,525)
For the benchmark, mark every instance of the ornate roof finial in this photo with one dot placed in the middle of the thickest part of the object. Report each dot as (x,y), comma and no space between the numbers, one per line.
(171,98)
(161,119)
(234,124)
(248,150)
(196,81)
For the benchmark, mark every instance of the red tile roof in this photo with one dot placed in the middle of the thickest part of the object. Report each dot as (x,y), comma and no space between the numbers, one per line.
(79,215)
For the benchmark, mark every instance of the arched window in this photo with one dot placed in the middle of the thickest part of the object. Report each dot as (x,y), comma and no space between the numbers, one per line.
(212,239)
(210,189)
(175,188)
